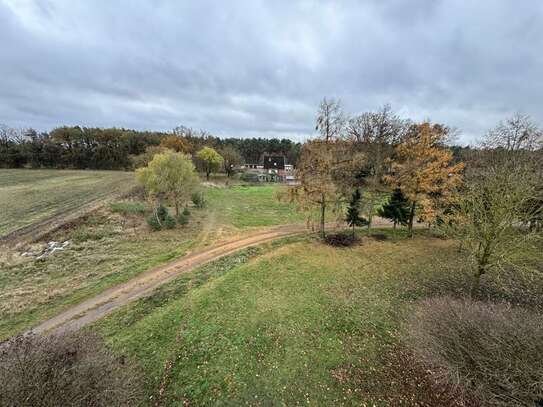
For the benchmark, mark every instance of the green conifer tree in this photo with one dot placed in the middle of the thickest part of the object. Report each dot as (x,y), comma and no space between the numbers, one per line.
(396,209)
(353,217)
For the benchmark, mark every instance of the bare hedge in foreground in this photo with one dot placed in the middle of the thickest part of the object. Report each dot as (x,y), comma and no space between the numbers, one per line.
(493,351)
(65,370)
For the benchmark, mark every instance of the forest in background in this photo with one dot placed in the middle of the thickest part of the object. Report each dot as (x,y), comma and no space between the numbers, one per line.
(116,149)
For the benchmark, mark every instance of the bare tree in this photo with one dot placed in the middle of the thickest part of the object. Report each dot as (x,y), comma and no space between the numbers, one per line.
(488,214)
(330,120)
(315,173)
(16,135)
(232,158)
(518,133)
(376,134)
(330,123)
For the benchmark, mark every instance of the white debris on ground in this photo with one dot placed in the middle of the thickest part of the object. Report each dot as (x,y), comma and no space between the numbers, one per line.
(51,248)
(212,184)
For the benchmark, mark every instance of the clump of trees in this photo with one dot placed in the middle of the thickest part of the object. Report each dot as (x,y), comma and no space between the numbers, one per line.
(169,177)
(375,152)
(493,204)
(121,149)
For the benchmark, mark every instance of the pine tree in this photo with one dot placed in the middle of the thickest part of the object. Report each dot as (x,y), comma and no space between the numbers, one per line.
(353,212)
(396,209)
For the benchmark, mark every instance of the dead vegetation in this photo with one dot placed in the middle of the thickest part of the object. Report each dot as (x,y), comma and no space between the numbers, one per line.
(341,239)
(494,351)
(65,370)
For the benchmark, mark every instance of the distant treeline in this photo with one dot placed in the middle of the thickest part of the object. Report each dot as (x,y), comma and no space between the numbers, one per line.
(115,149)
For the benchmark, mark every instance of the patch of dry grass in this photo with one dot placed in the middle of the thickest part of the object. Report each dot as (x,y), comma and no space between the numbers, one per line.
(105,249)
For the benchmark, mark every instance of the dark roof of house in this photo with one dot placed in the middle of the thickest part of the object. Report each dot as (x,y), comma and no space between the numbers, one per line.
(274,162)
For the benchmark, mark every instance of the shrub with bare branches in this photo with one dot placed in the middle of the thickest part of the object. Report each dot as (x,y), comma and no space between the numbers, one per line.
(65,370)
(493,351)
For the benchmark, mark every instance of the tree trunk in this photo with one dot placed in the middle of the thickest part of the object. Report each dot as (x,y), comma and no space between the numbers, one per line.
(370,211)
(323,209)
(207,175)
(155,212)
(476,283)
(176,208)
(411,217)
(353,230)
(481,269)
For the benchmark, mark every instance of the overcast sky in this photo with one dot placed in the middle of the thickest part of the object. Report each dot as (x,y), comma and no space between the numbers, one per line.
(259,68)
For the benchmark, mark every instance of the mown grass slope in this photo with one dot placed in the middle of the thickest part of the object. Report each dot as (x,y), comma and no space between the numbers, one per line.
(302,323)
(30,196)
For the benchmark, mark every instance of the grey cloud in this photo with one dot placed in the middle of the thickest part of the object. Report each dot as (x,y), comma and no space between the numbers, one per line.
(259,68)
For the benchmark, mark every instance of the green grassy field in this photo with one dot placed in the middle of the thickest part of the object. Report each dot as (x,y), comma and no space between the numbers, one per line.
(288,324)
(29,196)
(249,206)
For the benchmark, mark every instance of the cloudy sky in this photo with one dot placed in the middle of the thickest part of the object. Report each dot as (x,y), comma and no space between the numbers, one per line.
(259,68)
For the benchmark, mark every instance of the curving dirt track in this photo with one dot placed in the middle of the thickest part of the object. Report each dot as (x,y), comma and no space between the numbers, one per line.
(102,304)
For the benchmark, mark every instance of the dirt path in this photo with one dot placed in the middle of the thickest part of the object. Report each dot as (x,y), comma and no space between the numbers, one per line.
(104,303)
(142,285)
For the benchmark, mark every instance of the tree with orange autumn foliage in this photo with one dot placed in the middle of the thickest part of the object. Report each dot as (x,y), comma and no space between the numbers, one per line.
(422,170)
(176,143)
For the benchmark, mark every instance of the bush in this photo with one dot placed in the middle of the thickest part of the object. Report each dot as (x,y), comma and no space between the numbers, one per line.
(380,237)
(186,211)
(340,239)
(493,351)
(182,219)
(168,222)
(162,212)
(161,219)
(250,177)
(128,207)
(153,222)
(65,370)
(198,199)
